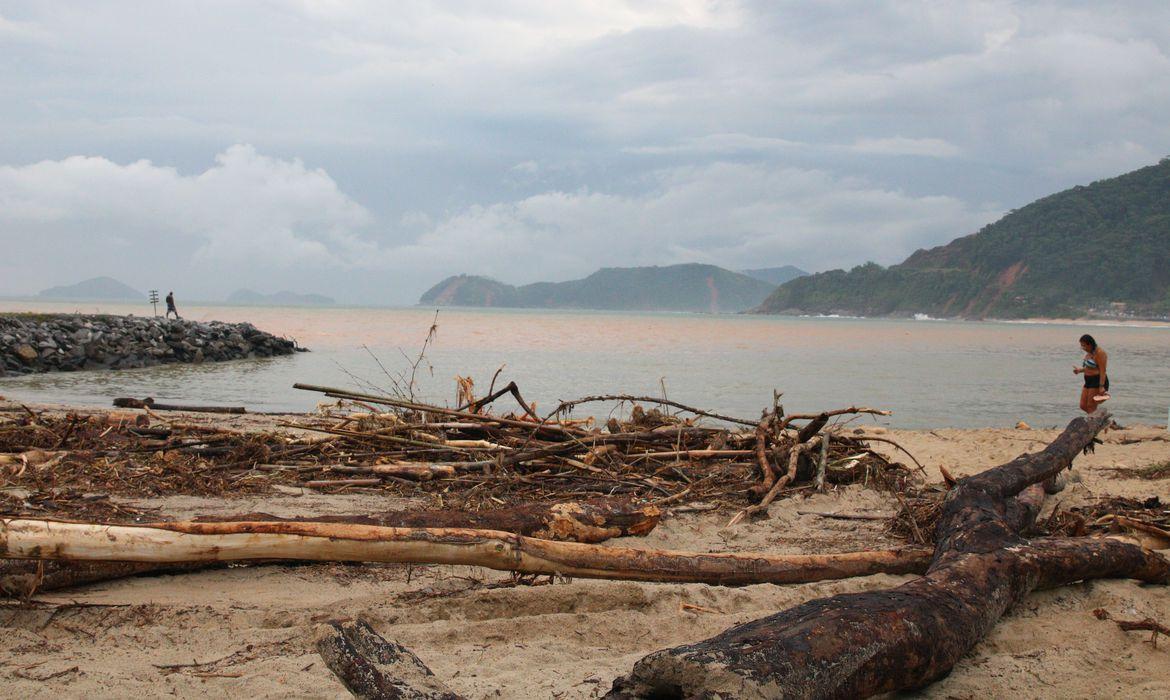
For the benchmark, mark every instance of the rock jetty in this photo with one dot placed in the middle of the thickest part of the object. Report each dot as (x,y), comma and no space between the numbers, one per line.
(63,343)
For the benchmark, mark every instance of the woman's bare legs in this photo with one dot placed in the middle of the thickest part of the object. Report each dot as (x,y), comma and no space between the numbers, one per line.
(1088,405)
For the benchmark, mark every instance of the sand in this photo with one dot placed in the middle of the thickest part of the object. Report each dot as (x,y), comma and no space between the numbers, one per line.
(250,629)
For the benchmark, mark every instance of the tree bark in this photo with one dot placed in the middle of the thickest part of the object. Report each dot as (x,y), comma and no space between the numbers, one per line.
(373,668)
(862,644)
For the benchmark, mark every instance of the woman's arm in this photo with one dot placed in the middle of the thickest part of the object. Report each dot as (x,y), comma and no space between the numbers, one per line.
(1102,361)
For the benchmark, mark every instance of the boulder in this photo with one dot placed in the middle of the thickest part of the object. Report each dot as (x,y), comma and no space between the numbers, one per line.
(26,352)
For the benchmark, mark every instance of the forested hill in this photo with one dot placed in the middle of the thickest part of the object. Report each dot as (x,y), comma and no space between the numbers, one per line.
(688,287)
(1102,248)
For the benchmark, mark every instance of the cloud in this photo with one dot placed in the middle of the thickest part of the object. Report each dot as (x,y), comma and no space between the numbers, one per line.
(730,144)
(901,146)
(732,214)
(545,139)
(24,31)
(528,167)
(245,209)
(257,214)
(720,144)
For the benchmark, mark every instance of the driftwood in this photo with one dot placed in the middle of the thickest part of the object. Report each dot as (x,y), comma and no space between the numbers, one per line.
(475,460)
(26,538)
(511,388)
(424,408)
(595,520)
(21,578)
(152,405)
(1148,624)
(373,668)
(862,644)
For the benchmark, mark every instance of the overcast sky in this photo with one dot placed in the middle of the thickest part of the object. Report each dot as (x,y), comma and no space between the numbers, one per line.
(367,149)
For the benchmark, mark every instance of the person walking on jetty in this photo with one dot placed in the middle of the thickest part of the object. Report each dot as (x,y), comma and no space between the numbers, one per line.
(171,305)
(1093,366)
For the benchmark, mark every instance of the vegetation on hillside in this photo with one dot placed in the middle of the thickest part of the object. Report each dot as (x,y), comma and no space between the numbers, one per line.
(1101,248)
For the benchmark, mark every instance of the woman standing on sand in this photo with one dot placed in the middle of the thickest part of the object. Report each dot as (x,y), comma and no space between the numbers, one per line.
(1096,380)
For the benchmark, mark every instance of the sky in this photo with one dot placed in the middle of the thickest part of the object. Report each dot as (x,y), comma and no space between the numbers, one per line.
(365,150)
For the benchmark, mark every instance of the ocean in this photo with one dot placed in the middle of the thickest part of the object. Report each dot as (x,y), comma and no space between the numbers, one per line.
(930,373)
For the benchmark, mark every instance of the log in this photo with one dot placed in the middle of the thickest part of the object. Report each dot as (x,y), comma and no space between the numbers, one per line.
(26,538)
(373,668)
(327,483)
(150,403)
(863,644)
(594,520)
(21,578)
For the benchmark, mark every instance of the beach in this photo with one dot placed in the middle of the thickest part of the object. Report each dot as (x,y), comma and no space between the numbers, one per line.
(249,630)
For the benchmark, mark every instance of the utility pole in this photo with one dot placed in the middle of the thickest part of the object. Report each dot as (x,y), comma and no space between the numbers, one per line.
(154,301)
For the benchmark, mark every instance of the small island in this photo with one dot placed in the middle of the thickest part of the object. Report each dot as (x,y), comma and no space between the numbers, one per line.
(94,289)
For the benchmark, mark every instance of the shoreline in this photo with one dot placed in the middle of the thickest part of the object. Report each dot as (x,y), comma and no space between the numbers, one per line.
(8,403)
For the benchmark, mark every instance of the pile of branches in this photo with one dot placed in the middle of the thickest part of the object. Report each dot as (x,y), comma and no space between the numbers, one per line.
(1149,518)
(465,457)
(665,454)
(129,454)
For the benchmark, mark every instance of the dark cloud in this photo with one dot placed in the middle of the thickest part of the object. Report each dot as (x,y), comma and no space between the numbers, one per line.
(366,149)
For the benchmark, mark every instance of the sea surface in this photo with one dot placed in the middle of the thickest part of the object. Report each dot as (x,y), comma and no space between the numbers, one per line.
(929,373)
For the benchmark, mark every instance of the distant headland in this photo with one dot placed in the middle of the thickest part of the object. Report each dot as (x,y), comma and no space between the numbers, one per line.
(687,287)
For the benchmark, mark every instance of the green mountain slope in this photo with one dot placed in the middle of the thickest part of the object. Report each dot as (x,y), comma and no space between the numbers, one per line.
(470,290)
(689,287)
(1089,248)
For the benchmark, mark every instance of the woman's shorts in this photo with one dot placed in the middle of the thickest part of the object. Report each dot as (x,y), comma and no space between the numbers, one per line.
(1094,382)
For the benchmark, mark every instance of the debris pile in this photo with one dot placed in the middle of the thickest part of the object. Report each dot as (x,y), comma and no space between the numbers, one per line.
(460,457)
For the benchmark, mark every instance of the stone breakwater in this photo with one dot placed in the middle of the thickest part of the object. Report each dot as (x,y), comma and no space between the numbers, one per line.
(64,343)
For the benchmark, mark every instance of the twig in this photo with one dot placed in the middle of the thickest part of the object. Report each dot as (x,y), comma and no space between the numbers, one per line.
(843,516)
(1136,625)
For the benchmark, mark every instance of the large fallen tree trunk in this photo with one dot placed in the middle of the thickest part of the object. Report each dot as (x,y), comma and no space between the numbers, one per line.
(314,541)
(861,644)
(594,520)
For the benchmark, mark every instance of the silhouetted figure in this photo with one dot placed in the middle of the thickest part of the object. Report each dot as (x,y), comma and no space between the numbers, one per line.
(171,305)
